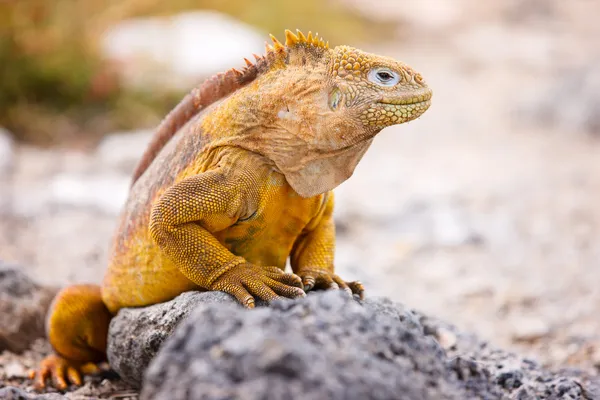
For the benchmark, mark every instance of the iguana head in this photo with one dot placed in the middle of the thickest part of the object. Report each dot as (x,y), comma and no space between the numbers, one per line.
(314,110)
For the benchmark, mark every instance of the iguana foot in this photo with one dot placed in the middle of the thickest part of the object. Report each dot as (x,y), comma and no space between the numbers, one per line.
(247,281)
(323,279)
(61,372)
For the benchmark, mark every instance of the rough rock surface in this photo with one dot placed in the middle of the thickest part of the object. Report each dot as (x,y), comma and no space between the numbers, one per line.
(327,346)
(94,388)
(13,393)
(23,306)
(137,334)
(476,362)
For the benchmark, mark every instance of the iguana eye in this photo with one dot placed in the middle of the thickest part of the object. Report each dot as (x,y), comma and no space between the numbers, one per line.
(384,76)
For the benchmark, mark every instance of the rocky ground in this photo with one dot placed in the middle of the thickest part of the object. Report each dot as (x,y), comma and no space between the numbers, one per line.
(327,346)
(484,212)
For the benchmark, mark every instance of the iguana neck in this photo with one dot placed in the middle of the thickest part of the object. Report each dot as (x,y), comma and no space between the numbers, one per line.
(282,120)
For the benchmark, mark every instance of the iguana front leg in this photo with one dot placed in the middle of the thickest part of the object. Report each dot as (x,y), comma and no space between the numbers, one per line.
(181,224)
(313,253)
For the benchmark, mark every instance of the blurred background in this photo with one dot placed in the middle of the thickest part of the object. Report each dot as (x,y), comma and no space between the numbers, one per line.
(484,212)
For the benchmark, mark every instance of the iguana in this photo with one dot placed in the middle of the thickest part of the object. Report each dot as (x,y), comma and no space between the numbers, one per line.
(237,179)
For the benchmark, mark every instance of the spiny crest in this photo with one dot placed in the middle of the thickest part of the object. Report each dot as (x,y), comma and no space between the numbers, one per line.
(276,53)
(298,39)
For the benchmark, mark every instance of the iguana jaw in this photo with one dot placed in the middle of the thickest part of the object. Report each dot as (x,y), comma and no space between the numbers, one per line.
(393,110)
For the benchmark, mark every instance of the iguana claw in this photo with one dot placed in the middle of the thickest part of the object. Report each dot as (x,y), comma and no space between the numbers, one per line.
(323,279)
(61,372)
(247,281)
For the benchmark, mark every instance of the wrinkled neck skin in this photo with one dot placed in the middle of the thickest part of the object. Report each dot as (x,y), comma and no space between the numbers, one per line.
(285,116)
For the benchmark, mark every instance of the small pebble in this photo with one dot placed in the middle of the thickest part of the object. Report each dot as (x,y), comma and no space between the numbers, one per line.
(446,338)
(530,329)
(14,370)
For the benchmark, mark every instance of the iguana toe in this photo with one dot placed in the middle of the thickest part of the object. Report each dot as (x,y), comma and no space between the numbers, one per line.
(323,279)
(247,282)
(357,288)
(61,372)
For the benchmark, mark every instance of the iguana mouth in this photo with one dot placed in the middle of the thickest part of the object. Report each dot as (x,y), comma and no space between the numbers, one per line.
(393,110)
(420,97)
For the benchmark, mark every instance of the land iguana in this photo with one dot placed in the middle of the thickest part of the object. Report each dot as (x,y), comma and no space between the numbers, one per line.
(237,179)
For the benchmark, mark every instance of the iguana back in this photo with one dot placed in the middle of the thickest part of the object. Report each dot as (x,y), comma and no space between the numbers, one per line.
(210,91)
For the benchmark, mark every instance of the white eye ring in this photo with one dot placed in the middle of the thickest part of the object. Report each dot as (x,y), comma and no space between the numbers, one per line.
(384,76)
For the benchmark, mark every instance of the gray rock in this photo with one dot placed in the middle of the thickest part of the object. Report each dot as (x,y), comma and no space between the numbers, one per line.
(326,346)
(382,306)
(7,161)
(578,89)
(121,151)
(136,334)
(14,393)
(178,51)
(23,307)
(6,152)
(105,192)
(98,193)
(426,16)
(484,368)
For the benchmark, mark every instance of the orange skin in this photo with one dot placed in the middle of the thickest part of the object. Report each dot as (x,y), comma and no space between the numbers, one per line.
(224,197)
(259,224)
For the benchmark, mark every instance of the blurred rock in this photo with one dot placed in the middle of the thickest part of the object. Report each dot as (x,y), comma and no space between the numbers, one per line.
(15,370)
(7,161)
(530,11)
(23,307)
(529,328)
(439,224)
(497,43)
(179,51)
(424,14)
(424,223)
(571,102)
(122,150)
(6,152)
(136,334)
(14,393)
(104,192)
(446,338)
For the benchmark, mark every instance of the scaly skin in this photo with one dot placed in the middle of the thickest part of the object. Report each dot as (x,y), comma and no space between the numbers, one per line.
(237,180)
